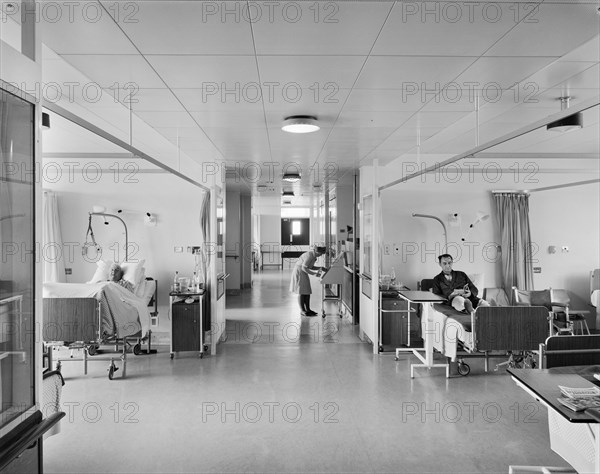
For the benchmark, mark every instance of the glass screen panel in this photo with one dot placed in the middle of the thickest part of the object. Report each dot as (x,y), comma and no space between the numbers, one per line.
(17,178)
(367,209)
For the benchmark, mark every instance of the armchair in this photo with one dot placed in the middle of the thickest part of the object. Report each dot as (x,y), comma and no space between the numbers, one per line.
(563,320)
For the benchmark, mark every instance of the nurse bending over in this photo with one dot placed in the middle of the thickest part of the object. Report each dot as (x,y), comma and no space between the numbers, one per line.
(300,283)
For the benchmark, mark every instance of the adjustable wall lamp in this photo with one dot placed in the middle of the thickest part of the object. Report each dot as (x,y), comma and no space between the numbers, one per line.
(480,217)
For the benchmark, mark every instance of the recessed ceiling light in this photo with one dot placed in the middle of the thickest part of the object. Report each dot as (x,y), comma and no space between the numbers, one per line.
(300,124)
(291,177)
(569,123)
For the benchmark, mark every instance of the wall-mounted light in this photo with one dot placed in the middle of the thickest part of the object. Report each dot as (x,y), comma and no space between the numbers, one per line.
(149,219)
(454,219)
(480,217)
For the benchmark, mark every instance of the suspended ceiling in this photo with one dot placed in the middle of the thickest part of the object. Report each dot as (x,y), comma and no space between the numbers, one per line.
(386,80)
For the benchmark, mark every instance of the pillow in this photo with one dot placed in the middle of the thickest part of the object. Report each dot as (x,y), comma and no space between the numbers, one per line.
(134,272)
(477,279)
(140,289)
(101,274)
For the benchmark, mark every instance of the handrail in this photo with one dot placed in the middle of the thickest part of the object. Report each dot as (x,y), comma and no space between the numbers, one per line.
(26,439)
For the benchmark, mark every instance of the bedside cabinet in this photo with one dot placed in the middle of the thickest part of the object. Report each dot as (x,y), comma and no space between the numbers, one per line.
(187,331)
(395,328)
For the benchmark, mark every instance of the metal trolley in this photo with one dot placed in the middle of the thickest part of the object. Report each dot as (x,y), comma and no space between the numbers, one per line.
(334,275)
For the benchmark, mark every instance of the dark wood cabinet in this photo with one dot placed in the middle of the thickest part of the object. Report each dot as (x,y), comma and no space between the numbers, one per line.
(187,328)
(395,327)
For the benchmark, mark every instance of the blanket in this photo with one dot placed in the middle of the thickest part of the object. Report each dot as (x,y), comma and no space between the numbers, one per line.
(449,327)
(121,312)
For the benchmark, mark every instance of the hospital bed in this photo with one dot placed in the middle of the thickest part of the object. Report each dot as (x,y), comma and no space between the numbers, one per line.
(86,316)
(516,331)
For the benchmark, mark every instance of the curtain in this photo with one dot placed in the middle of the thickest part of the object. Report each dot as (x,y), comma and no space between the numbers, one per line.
(512,212)
(203,258)
(52,251)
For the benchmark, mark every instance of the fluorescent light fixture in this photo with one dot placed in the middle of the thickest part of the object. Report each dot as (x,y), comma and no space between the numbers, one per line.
(566,124)
(291,177)
(300,124)
(288,193)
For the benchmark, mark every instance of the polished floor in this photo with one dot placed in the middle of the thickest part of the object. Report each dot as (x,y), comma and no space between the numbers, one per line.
(287,393)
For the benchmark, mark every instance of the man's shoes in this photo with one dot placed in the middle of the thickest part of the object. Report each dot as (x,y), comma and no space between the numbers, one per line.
(310,312)
(303,313)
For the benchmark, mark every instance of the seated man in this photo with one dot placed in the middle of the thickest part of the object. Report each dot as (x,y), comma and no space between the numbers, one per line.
(456,287)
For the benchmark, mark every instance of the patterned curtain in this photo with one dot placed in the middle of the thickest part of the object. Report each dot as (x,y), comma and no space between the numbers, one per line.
(512,212)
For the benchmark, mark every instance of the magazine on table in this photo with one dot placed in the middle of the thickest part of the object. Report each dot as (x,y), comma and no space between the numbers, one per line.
(580,404)
(570,392)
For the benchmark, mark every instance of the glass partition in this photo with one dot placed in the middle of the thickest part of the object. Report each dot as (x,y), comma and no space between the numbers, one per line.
(17,336)
(367,209)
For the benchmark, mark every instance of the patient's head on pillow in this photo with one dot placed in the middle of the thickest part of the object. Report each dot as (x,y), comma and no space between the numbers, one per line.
(115,273)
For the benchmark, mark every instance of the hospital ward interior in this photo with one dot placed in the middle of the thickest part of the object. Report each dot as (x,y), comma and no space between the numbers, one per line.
(227,230)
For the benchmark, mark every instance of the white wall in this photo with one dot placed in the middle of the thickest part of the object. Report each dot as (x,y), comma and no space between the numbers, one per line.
(566,217)
(420,240)
(270,235)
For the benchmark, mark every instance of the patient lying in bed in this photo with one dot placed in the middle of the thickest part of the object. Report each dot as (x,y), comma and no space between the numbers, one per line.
(116,273)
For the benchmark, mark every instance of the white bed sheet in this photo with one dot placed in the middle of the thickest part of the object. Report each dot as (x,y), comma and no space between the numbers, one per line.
(446,334)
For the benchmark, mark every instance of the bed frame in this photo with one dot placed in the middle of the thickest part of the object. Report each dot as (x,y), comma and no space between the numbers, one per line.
(76,324)
(560,351)
(516,331)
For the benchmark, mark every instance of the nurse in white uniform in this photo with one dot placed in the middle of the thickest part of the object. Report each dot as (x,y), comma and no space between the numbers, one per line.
(300,283)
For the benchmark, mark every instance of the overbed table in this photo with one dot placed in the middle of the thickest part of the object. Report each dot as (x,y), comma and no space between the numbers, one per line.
(425,299)
(573,435)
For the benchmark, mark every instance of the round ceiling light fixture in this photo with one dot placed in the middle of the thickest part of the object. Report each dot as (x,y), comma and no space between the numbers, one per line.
(300,124)
(291,177)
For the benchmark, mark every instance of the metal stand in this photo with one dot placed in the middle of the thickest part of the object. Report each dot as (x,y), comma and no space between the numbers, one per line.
(334,275)
(425,298)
